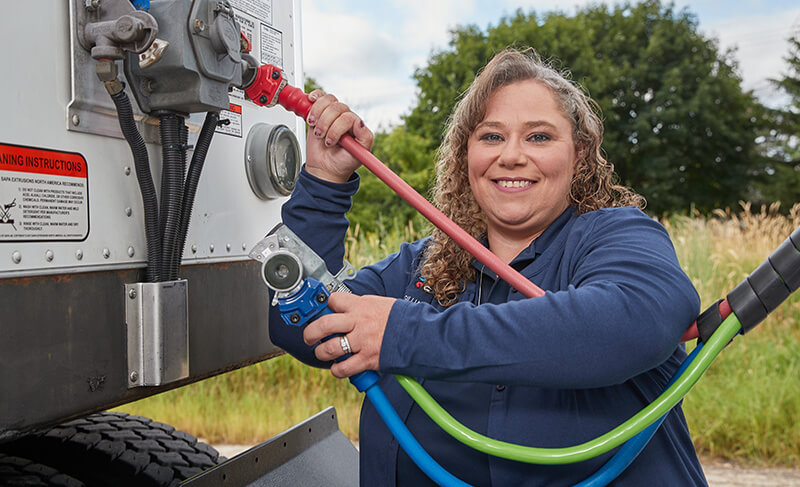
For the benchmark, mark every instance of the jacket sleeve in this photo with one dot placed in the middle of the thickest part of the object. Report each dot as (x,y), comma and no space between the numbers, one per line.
(623,311)
(316,214)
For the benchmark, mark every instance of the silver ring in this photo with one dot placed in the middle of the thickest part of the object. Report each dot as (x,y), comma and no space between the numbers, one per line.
(345,345)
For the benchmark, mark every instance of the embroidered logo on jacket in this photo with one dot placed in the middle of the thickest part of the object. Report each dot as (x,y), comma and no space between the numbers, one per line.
(420,284)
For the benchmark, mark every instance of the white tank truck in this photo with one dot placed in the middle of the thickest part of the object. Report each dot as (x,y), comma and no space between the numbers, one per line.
(124,273)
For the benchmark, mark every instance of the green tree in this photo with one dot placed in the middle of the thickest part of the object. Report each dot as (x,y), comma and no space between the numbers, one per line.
(679,128)
(376,207)
(780,180)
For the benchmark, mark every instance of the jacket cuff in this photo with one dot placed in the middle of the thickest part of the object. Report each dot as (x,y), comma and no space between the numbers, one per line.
(395,349)
(334,197)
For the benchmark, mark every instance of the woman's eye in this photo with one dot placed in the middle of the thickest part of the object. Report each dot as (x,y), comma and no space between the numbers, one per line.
(539,138)
(491,137)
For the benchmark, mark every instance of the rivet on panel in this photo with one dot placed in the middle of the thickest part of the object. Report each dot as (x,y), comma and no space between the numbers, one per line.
(49,255)
(131,251)
(211,247)
(194,249)
(79,254)
(106,253)
(128,211)
(76,120)
(134,376)
(16,257)
(228,247)
(127,170)
(132,293)
(244,246)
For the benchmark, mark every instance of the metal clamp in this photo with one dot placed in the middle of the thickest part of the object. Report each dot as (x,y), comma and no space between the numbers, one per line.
(157,319)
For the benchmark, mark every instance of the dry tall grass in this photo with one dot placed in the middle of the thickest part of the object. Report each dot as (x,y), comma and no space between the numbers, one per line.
(747,406)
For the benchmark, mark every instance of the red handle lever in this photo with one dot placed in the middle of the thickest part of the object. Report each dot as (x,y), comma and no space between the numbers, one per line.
(295,100)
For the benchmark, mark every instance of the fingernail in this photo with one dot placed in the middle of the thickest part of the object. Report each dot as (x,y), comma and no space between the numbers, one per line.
(311,120)
(318,132)
(312,97)
(328,142)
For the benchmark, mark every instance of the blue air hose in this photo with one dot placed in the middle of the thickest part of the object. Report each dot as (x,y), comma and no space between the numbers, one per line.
(367,382)
(309,302)
(307,306)
(633,447)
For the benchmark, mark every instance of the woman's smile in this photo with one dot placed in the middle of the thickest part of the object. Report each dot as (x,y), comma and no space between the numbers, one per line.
(514,185)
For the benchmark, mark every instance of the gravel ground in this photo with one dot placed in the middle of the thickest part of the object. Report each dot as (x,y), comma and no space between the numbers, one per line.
(718,473)
(728,474)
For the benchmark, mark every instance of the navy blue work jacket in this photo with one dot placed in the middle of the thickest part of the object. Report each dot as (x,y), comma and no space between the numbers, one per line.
(553,371)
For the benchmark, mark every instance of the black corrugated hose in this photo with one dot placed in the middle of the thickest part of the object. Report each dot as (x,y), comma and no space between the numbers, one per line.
(173,157)
(149,198)
(192,181)
(177,253)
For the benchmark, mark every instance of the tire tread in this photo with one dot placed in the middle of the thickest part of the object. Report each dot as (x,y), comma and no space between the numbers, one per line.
(131,450)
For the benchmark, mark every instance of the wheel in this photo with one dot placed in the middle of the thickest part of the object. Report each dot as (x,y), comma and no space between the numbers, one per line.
(117,449)
(16,471)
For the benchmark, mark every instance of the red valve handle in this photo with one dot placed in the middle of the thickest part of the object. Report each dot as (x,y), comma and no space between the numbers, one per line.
(295,100)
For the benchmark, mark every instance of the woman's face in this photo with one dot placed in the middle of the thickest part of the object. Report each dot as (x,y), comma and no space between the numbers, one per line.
(520,159)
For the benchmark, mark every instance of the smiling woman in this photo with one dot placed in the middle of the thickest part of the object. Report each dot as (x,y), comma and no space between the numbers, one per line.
(520,161)
(534,96)
(522,170)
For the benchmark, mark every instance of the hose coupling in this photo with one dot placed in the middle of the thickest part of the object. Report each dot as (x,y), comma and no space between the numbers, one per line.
(107,72)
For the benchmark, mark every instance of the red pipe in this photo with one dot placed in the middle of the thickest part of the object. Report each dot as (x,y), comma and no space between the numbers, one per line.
(295,100)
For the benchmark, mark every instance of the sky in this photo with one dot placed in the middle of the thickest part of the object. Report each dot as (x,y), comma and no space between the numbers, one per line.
(366,51)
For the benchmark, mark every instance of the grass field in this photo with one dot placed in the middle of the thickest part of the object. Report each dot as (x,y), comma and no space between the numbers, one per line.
(747,407)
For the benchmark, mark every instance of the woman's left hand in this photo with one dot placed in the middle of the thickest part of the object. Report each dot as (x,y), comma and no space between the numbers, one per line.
(362,319)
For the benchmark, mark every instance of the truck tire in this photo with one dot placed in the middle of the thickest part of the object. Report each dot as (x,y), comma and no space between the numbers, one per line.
(16,471)
(117,449)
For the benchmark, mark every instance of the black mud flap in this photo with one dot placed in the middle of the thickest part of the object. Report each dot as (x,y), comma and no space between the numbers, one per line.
(312,453)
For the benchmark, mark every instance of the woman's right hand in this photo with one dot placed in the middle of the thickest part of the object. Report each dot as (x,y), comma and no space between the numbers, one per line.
(328,120)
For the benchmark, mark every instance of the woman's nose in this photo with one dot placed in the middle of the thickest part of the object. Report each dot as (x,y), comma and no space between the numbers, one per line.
(512,154)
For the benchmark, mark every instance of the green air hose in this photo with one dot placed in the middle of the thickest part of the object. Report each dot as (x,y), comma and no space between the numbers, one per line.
(622,433)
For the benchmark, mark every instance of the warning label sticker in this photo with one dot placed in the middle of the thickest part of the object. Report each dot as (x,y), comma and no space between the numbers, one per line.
(231,121)
(271,46)
(261,9)
(44,195)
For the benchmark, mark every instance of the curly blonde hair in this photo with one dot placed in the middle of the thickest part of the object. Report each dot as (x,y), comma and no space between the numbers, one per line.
(446,266)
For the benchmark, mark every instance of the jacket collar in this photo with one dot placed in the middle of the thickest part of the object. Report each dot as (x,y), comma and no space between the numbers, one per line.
(539,245)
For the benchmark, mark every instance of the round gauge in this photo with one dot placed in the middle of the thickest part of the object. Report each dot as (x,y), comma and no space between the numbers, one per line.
(272,160)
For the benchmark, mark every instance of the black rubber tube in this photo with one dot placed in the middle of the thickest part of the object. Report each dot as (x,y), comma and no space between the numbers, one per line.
(193,180)
(173,149)
(141,163)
